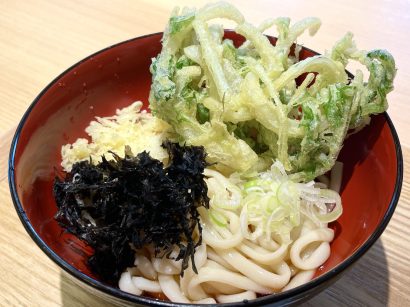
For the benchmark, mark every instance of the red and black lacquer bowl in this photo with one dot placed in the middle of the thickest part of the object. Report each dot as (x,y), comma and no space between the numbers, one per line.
(119,75)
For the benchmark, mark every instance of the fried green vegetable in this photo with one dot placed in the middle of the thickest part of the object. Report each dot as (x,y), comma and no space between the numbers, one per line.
(248,106)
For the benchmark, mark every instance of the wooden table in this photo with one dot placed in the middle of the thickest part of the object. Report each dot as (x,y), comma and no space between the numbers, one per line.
(40,39)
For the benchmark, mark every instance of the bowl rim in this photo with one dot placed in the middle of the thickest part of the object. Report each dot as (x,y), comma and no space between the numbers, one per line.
(318,282)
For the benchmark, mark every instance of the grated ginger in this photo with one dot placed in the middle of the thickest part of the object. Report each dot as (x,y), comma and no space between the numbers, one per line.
(130,126)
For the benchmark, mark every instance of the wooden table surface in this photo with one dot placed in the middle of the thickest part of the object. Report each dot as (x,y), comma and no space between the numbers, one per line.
(40,39)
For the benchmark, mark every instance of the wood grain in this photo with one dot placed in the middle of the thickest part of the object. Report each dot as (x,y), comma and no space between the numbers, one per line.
(39,39)
(5,142)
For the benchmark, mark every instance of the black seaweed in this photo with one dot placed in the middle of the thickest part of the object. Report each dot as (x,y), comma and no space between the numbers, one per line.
(132,202)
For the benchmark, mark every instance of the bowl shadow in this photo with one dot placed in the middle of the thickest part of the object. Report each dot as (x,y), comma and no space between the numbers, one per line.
(366,283)
(74,295)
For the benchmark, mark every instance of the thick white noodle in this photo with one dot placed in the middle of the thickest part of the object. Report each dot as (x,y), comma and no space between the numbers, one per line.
(212,255)
(216,288)
(208,300)
(268,243)
(145,284)
(227,275)
(125,284)
(145,266)
(255,272)
(318,256)
(200,259)
(307,227)
(207,274)
(299,279)
(197,292)
(219,237)
(247,295)
(171,289)
(262,255)
(165,266)
(243,217)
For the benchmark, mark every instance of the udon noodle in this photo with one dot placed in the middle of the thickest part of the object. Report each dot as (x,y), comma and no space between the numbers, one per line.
(237,261)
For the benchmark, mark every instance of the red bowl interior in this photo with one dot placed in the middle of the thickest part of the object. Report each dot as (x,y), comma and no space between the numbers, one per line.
(119,75)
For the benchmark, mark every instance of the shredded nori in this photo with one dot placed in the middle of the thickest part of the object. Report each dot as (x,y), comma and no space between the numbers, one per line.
(131,202)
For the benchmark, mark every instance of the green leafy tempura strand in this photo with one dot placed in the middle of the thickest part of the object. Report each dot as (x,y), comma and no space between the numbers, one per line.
(243,103)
